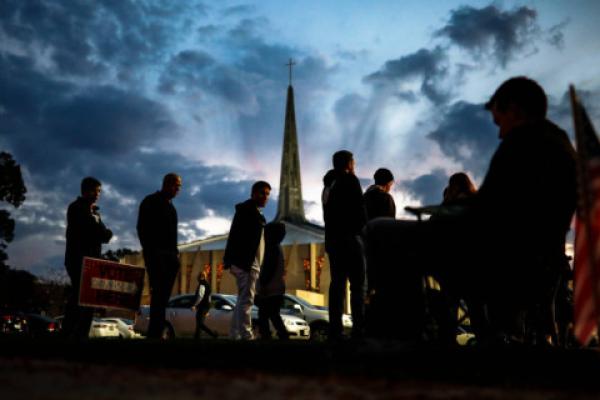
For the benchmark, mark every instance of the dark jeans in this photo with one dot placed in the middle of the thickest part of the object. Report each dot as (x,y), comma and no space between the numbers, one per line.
(78,320)
(162,270)
(346,263)
(269,310)
(200,325)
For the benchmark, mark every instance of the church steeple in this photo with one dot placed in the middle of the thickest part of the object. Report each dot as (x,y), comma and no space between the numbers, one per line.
(291,206)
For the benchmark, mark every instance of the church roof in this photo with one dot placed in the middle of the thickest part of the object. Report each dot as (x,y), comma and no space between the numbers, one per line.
(295,234)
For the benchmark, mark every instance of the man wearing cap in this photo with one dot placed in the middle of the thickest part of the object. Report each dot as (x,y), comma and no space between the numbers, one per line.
(378,200)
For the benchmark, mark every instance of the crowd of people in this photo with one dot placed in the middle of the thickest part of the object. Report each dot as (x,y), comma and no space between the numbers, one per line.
(499,249)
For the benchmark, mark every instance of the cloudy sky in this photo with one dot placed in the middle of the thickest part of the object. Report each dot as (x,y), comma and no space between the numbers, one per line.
(127,91)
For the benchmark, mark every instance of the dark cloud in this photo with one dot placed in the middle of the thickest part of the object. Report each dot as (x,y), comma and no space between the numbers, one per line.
(467,135)
(430,67)
(243,9)
(555,35)
(427,188)
(107,120)
(186,71)
(490,31)
(93,39)
(58,123)
(349,110)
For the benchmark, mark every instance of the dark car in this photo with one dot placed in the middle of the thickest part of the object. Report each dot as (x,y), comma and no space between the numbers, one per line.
(40,325)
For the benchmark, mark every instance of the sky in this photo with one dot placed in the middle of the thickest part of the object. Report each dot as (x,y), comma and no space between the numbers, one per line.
(127,91)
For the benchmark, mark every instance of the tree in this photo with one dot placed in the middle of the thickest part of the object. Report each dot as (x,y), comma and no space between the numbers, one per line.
(12,191)
(118,254)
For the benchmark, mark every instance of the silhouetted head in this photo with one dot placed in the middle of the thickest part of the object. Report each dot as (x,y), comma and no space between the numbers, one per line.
(260,193)
(384,178)
(274,232)
(343,161)
(459,187)
(171,185)
(517,101)
(91,189)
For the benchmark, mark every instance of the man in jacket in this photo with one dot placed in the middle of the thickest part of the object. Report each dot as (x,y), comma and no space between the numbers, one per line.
(157,231)
(244,254)
(345,217)
(378,200)
(85,234)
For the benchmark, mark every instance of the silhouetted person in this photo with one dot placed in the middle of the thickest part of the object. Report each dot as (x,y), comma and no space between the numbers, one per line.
(515,228)
(85,234)
(202,306)
(244,255)
(271,283)
(378,200)
(157,231)
(345,217)
(460,189)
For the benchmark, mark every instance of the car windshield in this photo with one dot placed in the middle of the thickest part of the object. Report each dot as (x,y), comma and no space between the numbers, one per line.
(306,304)
(128,321)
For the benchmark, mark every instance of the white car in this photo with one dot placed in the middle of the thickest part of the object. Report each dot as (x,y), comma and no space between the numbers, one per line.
(316,316)
(104,329)
(181,319)
(124,326)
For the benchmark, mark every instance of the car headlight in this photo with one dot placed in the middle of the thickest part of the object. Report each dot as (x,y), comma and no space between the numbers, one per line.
(288,322)
(346,320)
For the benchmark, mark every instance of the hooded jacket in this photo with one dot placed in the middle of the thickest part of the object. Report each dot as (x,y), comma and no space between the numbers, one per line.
(271,281)
(244,236)
(343,207)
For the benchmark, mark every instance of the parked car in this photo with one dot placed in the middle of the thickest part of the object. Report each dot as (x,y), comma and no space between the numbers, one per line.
(181,319)
(103,329)
(40,325)
(124,326)
(316,316)
(12,322)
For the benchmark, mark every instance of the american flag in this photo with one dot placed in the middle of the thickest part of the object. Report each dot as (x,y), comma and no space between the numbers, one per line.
(587,225)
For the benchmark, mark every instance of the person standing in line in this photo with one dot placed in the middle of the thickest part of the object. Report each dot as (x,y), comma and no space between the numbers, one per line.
(244,255)
(378,200)
(345,217)
(271,283)
(157,231)
(85,234)
(202,305)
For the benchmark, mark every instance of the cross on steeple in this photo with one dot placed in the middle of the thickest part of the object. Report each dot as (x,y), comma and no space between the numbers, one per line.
(290,64)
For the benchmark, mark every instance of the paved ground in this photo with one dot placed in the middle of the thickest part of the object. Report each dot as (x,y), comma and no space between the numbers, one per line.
(224,370)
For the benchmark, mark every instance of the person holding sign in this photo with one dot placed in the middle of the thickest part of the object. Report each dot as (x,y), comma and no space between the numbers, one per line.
(85,234)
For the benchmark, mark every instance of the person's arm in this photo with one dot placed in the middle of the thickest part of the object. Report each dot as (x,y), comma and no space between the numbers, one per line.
(143,225)
(392,206)
(267,270)
(199,295)
(231,240)
(357,199)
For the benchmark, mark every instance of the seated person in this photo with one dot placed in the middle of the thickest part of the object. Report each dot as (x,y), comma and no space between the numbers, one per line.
(515,225)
